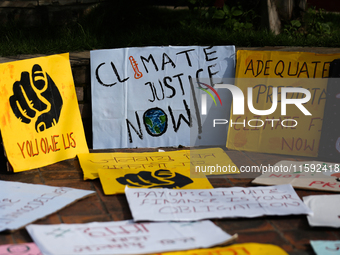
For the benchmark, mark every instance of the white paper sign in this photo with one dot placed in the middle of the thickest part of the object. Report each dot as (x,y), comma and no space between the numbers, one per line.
(326,209)
(187,205)
(326,247)
(22,203)
(145,97)
(125,237)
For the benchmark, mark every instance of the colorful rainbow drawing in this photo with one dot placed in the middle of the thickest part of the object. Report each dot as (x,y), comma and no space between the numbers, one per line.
(213,90)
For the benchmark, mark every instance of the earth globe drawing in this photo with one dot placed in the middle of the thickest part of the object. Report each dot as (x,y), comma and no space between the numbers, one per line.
(155,121)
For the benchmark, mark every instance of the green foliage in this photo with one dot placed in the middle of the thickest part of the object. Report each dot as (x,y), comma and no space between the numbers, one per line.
(313,24)
(235,18)
(116,24)
(232,18)
(292,28)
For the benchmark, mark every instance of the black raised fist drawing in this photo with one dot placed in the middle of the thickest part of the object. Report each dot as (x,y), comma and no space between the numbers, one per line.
(161,178)
(36,98)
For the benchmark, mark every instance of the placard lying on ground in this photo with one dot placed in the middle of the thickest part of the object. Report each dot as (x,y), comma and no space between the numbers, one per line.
(170,177)
(321,247)
(315,175)
(141,96)
(91,162)
(125,237)
(23,203)
(20,249)
(40,118)
(326,209)
(235,249)
(188,205)
(288,129)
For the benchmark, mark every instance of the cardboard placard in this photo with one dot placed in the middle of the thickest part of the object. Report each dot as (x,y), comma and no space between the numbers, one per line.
(23,203)
(315,175)
(235,249)
(197,160)
(155,176)
(189,205)
(292,132)
(326,209)
(141,97)
(125,237)
(40,118)
(329,148)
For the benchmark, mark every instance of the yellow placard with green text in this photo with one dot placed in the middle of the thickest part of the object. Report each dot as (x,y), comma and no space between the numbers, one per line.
(235,249)
(196,159)
(284,99)
(40,118)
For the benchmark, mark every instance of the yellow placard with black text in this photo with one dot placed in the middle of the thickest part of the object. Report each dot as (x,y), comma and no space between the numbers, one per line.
(283,111)
(40,118)
(207,161)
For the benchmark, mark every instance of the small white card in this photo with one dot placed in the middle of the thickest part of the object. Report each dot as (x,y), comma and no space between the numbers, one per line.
(326,209)
(326,247)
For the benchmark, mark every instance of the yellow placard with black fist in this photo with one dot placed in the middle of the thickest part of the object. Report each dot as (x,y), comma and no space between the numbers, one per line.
(208,161)
(173,176)
(40,118)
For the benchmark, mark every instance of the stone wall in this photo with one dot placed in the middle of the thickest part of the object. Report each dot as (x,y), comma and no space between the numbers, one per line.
(80,64)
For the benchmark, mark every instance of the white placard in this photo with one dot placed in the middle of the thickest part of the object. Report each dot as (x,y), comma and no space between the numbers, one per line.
(145,97)
(125,237)
(326,209)
(22,203)
(188,205)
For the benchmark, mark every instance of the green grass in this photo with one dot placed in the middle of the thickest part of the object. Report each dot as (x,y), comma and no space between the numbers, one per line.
(135,24)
